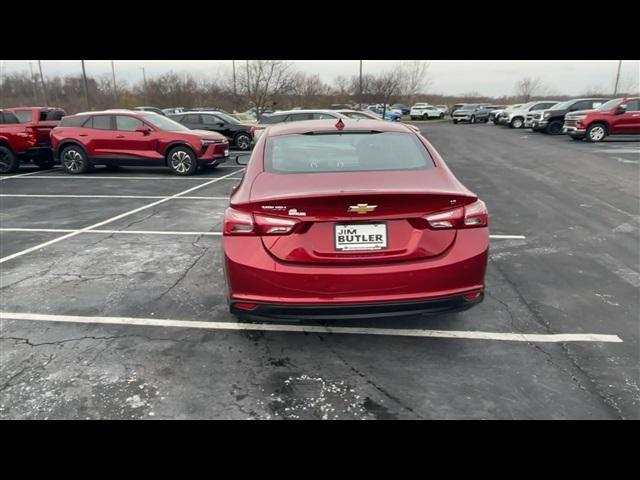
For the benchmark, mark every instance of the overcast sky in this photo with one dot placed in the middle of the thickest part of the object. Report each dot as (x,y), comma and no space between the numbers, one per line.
(491,78)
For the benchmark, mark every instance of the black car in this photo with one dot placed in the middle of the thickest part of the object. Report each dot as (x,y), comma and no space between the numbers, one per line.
(400,106)
(240,135)
(551,121)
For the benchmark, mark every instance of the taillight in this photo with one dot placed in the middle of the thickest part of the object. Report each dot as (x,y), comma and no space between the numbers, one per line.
(470,216)
(238,223)
(274,225)
(243,223)
(476,215)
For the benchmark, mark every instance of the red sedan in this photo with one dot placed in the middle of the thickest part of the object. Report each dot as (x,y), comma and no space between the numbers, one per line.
(351,219)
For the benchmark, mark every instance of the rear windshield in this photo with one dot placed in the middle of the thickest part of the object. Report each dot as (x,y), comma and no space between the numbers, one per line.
(51,115)
(345,152)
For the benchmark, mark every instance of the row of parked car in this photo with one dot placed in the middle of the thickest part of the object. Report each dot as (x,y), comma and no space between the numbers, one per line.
(592,119)
(183,141)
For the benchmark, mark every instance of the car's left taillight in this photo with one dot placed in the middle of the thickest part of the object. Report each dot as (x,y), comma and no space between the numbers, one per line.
(237,222)
(473,215)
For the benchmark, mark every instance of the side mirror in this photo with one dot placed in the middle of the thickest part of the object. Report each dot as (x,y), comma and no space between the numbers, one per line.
(143,130)
(220,124)
(621,109)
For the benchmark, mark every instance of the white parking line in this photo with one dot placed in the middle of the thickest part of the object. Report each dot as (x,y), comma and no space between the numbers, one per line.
(109,220)
(18,195)
(102,177)
(161,232)
(270,327)
(21,175)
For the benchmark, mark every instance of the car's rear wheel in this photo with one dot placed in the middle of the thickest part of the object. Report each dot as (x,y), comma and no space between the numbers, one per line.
(242,141)
(9,163)
(182,161)
(596,132)
(516,123)
(425,116)
(455,121)
(554,128)
(74,160)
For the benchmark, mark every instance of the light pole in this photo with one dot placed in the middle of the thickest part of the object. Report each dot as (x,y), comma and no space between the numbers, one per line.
(115,88)
(615,89)
(144,79)
(360,85)
(44,89)
(86,86)
(33,85)
(235,91)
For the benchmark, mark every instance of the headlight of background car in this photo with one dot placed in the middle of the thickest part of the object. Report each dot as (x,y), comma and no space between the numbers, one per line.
(209,142)
(547,115)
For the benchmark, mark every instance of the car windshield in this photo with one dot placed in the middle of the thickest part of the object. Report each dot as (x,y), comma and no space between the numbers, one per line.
(561,106)
(345,152)
(164,123)
(609,105)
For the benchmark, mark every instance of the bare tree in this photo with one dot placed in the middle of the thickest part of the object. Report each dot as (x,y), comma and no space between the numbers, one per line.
(528,88)
(264,81)
(387,85)
(628,86)
(415,78)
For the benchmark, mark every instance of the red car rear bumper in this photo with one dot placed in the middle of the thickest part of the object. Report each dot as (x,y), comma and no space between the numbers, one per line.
(255,276)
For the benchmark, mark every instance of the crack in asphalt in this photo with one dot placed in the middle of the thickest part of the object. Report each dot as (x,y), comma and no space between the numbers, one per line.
(362,375)
(606,400)
(186,272)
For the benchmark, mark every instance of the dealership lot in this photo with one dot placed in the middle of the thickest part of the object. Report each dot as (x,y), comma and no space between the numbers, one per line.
(92,265)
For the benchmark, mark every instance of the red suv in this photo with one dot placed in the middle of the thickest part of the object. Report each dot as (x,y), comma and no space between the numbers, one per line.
(24,136)
(620,116)
(115,138)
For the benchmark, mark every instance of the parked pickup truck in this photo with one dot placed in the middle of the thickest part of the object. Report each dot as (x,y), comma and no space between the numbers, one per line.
(620,116)
(516,117)
(24,137)
(471,113)
(551,120)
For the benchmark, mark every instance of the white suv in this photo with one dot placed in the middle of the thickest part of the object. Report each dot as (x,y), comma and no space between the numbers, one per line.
(424,111)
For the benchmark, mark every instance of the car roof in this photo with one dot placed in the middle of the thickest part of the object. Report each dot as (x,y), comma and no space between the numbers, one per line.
(313,110)
(350,125)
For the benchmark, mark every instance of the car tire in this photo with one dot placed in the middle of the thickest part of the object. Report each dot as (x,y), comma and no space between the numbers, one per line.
(554,127)
(9,163)
(74,160)
(242,141)
(425,116)
(596,132)
(441,116)
(182,161)
(455,122)
(517,122)
(473,119)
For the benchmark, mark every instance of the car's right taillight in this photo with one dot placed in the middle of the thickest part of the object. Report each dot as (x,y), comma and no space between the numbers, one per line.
(471,216)
(476,215)
(237,222)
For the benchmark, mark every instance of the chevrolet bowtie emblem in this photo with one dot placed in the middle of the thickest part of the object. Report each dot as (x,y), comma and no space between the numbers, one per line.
(361,208)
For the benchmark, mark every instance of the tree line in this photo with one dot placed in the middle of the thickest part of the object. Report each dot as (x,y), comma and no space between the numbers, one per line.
(260,84)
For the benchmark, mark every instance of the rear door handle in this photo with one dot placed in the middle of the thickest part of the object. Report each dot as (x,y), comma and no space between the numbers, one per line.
(83,135)
(119,136)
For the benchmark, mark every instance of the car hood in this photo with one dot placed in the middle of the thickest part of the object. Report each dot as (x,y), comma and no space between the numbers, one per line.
(206,135)
(580,112)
